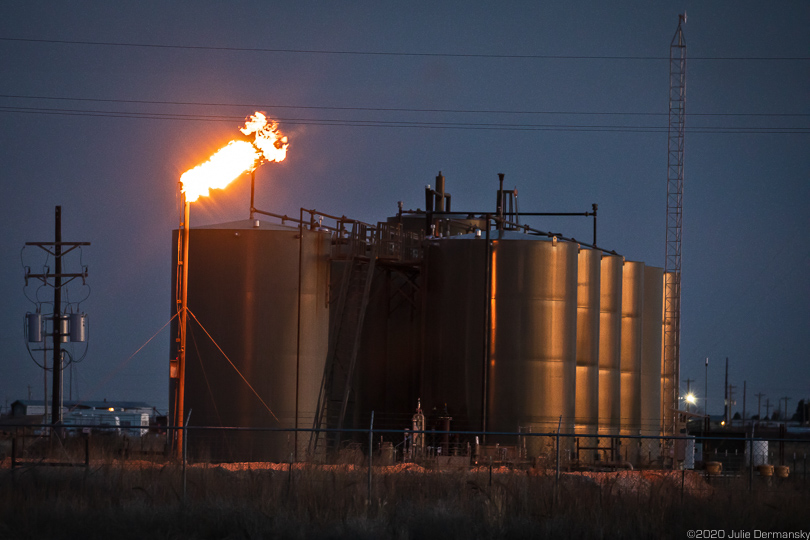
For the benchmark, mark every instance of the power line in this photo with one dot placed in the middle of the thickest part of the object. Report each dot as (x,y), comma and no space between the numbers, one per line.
(406,124)
(393,53)
(384,109)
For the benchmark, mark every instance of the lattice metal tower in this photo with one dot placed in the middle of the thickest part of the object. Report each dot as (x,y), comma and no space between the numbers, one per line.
(670,368)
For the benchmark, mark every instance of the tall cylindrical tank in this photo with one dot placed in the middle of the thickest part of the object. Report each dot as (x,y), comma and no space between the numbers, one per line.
(631,339)
(531,377)
(651,351)
(610,327)
(588,301)
(669,342)
(455,286)
(249,362)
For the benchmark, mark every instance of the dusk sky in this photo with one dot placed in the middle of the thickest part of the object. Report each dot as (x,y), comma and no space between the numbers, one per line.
(105,104)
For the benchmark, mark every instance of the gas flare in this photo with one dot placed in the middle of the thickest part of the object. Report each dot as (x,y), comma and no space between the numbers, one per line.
(236,158)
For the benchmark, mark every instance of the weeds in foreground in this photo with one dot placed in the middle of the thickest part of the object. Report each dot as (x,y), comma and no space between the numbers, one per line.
(143,499)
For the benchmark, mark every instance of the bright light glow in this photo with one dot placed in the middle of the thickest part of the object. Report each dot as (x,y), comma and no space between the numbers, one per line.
(236,158)
(111,409)
(690,399)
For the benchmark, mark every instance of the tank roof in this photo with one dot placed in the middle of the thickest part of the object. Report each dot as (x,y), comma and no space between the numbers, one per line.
(246,224)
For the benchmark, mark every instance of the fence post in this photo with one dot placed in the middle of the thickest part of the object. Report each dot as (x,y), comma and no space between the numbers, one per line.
(370,453)
(184,451)
(751,463)
(557,477)
(793,471)
(14,453)
(290,475)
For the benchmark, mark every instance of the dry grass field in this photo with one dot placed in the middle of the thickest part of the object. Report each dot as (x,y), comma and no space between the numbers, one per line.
(137,498)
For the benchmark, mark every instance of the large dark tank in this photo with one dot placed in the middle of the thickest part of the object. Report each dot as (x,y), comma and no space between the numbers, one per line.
(257,337)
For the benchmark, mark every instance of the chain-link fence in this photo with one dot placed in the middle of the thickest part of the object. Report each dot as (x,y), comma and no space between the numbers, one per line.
(729,458)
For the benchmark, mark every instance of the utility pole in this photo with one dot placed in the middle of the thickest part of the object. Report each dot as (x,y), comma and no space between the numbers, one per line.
(56,407)
(731,402)
(759,405)
(785,418)
(744,390)
(60,321)
(706,395)
(767,408)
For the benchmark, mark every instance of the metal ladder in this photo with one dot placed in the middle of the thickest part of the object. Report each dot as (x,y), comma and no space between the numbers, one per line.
(344,344)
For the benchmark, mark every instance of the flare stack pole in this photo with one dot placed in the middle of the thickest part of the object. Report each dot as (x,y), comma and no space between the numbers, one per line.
(182,311)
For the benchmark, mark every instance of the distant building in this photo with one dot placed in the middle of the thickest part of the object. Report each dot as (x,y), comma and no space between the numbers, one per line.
(132,424)
(29,407)
(131,418)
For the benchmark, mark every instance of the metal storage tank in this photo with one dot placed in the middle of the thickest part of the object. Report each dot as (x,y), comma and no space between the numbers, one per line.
(269,316)
(531,379)
(455,284)
(588,298)
(652,317)
(610,327)
(668,403)
(632,306)
(512,352)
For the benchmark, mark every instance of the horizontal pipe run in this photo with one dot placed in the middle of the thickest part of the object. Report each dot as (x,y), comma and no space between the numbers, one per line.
(535,232)
(341,219)
(482,214)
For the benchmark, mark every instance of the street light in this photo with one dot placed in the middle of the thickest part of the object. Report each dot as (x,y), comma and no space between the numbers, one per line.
(690,400)
(225,166)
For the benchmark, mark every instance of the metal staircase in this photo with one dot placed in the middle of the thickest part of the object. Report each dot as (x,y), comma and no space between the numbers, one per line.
(335,399)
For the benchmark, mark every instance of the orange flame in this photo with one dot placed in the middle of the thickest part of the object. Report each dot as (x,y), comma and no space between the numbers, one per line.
(236,158)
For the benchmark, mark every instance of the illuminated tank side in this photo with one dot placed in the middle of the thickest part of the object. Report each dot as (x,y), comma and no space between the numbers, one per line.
(244,291)
(531,379)
(667,379)
(631,335)
(609,345)
(630,357)
(588,296)
(651,358)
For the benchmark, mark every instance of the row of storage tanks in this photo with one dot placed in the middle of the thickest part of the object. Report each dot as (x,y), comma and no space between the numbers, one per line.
(511,333)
